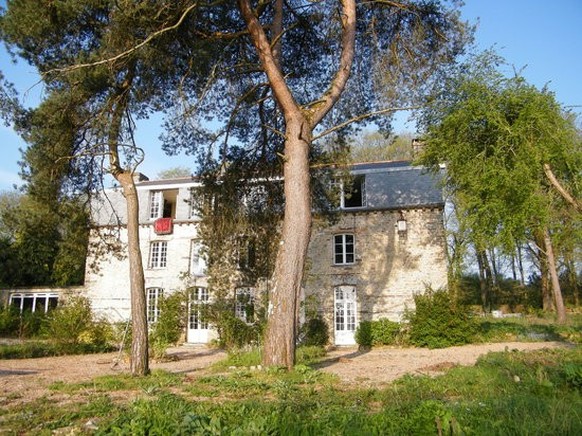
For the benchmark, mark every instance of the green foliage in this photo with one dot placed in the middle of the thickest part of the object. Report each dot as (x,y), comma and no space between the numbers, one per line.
(314,332)
(305,355)
(9,320)
(504,393)
(374,147)
(309,354)
(380,332)
(71,327)
(528,329)
(235,333)
(439,321)
(363,334)
(27,350)
(171,322)
(22,325)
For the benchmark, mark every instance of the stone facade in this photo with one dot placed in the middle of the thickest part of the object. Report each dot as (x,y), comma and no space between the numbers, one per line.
(390,265)
(387,245)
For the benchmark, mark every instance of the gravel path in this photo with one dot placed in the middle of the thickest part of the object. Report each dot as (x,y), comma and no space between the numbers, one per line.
(28,379)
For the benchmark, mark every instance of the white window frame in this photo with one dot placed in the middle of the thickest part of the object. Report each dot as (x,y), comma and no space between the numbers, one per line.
(156,204)
(198,297)
(154,295)
(158,254)
(35,297)
(197,260)
(344,249)
(343,199)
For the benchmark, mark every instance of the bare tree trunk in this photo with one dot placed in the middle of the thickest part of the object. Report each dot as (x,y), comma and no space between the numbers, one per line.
(558,187)
(520,263)
(279,347)
(484,280)
(557,292)
(139,344)
(547,300)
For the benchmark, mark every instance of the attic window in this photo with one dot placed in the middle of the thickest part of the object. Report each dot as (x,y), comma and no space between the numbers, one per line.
(354,193)
(163,204)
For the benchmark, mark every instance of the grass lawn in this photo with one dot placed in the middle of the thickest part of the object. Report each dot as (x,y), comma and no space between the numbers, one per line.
(537,393)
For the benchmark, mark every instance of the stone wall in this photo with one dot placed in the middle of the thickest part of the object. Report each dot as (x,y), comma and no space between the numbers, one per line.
(390,266)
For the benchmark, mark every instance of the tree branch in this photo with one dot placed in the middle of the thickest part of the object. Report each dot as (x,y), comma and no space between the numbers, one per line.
(558,186)
(362,117)
(281,91)
(342,75)
(127,52)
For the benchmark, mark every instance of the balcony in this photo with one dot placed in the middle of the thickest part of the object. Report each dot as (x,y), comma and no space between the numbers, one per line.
(163,226)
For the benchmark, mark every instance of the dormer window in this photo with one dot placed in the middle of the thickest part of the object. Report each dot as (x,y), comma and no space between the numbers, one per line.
(354,192)
(163,204)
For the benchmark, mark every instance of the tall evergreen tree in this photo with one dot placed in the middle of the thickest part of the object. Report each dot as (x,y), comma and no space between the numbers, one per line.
(271,74)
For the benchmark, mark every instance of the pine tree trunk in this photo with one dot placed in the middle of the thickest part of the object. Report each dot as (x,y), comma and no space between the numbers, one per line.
(279,348)
(556,291)
(139,344)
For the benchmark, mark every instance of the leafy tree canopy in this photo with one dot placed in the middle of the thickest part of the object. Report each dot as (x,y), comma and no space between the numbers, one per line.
(495,134)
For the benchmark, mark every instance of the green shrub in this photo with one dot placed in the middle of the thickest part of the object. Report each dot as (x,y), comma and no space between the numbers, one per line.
(72,327)
(439,321)
(167,330)
(380,332)
(363,334)
(314,332)
(9,321)
(385,332)
(236,333)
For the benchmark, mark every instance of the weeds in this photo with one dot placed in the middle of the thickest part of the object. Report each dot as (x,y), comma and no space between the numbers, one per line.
(504,393)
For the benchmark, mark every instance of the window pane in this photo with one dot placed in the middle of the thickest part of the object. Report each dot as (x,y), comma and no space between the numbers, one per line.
(158,254)
(155,204)
(354,194)
(343,249)
(163,254)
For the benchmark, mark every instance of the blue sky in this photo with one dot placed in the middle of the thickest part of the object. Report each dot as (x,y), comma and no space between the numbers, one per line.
(542,38)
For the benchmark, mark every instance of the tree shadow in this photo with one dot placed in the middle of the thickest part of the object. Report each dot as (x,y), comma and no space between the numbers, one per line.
(332,360)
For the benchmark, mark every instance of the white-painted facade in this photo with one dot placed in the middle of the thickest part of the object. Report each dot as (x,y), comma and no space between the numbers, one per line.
(387,245)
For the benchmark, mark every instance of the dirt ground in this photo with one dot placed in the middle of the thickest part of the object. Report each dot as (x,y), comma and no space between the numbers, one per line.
(28,379)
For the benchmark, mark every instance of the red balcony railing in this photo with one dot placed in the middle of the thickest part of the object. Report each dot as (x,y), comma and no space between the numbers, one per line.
(163,226)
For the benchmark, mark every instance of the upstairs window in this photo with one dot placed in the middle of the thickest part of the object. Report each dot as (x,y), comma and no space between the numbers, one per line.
(163,204)
(158,254)
(354,192)
(197,261)
(343,249)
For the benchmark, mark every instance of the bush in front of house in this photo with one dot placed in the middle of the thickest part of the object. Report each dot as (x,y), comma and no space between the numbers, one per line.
(439,321)
(72,328)
(171,322)
(379,332)
(14,324)
(9,321)
(314,332)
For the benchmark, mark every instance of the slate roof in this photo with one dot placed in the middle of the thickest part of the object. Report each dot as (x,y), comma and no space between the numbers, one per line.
(398,184)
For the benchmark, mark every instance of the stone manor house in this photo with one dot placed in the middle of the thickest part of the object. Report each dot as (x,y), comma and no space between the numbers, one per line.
(388,244)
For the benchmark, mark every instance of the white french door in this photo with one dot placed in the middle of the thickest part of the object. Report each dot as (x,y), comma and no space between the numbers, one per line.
(198,328)
(345,307)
